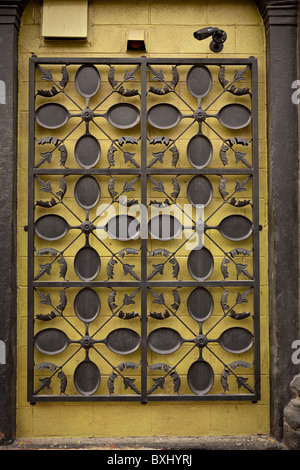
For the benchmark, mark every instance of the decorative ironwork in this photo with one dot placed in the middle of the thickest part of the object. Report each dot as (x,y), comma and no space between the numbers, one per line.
(143,230)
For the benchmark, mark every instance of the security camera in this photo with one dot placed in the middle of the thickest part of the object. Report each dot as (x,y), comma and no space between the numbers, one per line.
(218,37)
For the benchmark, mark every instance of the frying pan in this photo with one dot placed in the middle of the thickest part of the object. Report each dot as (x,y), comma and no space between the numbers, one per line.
(199,81)
(87,151)
(200,304)
(52,341)
(87,263)
(200,377)
(199,191)
(87,377)
(87,192)
(236,340)
(54,227)
(199,151)
(122,227)
(166,116)
(165,227)
(165,340)
(200,264)
(55,115)
(87,81)
(87,305)
(234,227)
(122,341)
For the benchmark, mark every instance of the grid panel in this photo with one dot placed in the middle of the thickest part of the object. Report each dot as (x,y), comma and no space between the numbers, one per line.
(143,230)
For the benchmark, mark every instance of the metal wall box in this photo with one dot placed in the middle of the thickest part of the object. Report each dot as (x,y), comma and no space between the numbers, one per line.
(65,19)
(136,40)
(133,295)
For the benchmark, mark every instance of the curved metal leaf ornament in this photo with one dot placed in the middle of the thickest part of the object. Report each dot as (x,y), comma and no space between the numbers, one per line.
(160,381)
(128,382)
(46,382)
(241,381)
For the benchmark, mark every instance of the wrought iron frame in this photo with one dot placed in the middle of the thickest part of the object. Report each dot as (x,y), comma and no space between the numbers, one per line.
(143,172)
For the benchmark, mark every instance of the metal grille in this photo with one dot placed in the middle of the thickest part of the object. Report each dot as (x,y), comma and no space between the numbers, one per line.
(143,230)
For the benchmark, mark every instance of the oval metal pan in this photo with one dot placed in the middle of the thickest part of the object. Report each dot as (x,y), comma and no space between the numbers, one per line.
(164,340)
(51,341)
(87,151)
(236,340)
(200,304)
(51,227)
(87,192)
(199,151)
(200,377)
(123,341)
(235,227)
(123,115)
(87,305)
(164,116)
(199,81)
(199,191)
(234,116)
(164,227)
(87,377)
(87,263)
(87,80)
(123,227)
(200,264)
(52,115)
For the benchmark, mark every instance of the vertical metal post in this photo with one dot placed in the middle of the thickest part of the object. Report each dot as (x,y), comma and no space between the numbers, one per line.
(144,228)
(30,278)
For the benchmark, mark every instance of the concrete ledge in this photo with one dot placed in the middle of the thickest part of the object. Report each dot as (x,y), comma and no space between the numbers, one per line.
(253,442)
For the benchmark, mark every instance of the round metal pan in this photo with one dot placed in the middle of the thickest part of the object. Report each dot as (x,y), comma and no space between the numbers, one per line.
(165,340)
(199,81)
(236,340)
(87,377)
(87,305)
(200,377)
(199,191)
(123,227)
(164,227)
(87,80)
(200,264)
(234,227)
(200,304)
(87,151)
(87,192)
(123,341)
(55,115)
(87,263)
(51,227)
(199,151)
(51,341)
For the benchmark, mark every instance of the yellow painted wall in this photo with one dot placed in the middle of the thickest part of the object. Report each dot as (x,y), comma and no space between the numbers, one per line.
(169,26)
